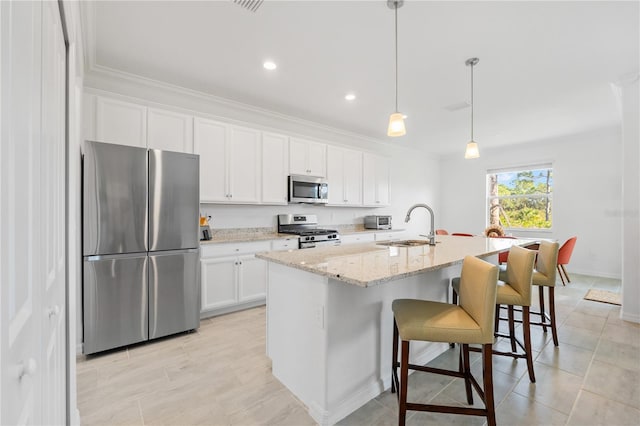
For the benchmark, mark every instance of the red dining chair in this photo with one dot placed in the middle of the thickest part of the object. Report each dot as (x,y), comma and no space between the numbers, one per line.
(441,232)
(504,255)
(564,256)
(458,234)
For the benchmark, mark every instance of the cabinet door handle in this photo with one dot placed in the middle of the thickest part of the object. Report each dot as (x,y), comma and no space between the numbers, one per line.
(53,311)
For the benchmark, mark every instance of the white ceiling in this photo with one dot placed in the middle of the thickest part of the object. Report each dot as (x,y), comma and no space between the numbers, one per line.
(545,67)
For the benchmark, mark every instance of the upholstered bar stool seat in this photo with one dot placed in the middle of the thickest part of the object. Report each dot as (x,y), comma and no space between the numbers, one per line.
(470,323)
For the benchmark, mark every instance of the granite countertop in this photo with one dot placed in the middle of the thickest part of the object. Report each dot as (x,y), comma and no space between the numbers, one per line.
(237,235)
(370,264)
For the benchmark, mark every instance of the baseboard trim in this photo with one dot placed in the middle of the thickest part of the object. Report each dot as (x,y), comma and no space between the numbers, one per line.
(629,317)
(230,309)
(368,391)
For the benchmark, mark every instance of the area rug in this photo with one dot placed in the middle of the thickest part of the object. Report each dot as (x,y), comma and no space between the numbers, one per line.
(603,296)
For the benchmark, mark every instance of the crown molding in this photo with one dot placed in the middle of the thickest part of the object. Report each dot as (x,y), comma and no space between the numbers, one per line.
(100,71)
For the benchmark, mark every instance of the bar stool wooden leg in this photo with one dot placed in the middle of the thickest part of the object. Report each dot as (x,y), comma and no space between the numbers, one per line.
(487,379)
(394,356)
(496,325)
(552,313)
(466,369)
(542,311)
(404,377)
(512,328)
(526,328)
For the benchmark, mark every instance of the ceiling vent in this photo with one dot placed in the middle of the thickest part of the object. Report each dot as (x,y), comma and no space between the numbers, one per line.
(251,5)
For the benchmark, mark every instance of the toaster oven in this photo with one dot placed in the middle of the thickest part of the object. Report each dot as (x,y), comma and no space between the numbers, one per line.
(377,222)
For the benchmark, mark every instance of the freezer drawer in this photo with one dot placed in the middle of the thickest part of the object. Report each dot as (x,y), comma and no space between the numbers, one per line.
(114,199)
(174,200)
(114,301)
(174,292)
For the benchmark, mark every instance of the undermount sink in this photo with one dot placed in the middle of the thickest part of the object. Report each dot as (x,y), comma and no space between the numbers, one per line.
(405,243)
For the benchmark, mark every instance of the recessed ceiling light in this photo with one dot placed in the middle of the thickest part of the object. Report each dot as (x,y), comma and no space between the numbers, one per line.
(404,116)
(350,96)
(270,65)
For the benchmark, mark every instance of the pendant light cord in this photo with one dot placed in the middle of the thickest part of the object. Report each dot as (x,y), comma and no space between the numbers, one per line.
(472,101)
(396,33)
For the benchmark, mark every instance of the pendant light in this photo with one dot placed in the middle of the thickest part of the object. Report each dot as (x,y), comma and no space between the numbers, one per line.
(396,120)
(472,146)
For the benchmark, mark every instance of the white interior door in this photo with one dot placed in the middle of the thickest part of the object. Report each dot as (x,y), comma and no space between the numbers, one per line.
(32,214)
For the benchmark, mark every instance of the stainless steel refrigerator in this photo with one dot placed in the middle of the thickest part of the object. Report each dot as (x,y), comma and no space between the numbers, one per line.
(140,244)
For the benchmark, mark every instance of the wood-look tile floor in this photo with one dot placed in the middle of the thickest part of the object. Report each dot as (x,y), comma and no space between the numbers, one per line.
(220,375)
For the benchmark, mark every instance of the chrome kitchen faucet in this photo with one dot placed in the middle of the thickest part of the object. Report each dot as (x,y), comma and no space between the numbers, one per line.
(432,234)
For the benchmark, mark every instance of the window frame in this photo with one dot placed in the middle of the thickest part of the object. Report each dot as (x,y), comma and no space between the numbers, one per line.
(516,169)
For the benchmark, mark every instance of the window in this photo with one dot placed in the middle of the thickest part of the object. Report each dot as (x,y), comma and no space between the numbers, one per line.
(520,198)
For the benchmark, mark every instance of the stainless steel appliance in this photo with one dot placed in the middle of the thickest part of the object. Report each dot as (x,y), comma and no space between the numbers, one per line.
(377,222)
(140,245)
(308,189)
(306,227)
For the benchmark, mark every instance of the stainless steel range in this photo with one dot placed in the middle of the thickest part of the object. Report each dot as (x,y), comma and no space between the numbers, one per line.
(306,227)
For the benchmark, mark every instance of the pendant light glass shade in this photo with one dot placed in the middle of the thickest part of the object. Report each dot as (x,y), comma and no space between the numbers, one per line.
(396,120)
(396,125)
(471,151)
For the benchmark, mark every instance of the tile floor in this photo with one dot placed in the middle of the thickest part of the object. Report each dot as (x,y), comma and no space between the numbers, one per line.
(220,375)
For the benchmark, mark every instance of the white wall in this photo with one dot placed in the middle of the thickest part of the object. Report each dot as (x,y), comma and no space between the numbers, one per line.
(587,199)
(629,96)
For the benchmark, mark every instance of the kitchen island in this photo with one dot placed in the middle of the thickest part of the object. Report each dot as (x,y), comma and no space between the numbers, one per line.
(329,318)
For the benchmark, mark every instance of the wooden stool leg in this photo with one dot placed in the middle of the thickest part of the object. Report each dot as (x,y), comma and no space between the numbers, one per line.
(454,300)
(496,325)
(512,328)
(552,313)
(526,328)
(394,357)
(467,372)
(404,377)
(487,379)
(542,311)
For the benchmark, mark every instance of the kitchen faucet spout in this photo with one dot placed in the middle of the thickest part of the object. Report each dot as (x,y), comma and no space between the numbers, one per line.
(432,234)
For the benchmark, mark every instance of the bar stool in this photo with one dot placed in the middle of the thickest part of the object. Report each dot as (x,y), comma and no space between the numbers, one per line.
(470,323)
(514,289)
(545,276)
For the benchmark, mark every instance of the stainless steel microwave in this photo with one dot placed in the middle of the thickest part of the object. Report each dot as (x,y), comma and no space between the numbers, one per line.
(308,189)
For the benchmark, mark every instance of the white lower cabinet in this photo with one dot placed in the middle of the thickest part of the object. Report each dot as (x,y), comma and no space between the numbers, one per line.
(232,277)
(285,244)
(389,235)
(219,282)
(364,237)
(252,278)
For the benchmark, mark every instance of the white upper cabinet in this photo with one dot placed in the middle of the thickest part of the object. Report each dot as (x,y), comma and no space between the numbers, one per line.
(210,142)
(120,122)
(307,158)
(275,168)
(169,130)
(375,175)
(344,173)
(244,165)
(229,162)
